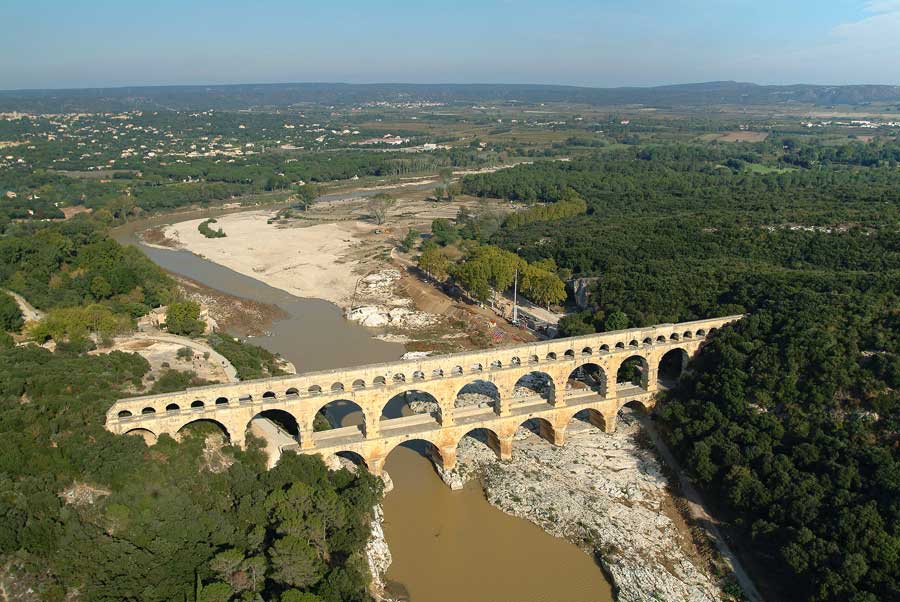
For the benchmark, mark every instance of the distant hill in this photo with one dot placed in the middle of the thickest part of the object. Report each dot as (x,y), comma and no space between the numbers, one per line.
(243,96)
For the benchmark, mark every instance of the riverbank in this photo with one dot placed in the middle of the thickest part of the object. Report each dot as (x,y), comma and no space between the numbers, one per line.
(607,494)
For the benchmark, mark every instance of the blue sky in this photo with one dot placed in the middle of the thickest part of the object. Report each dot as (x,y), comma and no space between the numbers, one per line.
(85,43)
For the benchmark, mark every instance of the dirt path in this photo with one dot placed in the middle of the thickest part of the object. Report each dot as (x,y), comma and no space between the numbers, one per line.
(197,346)
(699,514)
(29,313)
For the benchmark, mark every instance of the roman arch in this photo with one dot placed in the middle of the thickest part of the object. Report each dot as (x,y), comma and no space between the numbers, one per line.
(550,381)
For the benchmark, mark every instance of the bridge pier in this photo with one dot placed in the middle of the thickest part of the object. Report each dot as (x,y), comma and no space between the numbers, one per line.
(375,465)
(306,439)
(447,457)
(504,446)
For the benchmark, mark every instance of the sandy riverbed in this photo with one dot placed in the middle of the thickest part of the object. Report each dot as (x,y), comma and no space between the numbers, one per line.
(313,261)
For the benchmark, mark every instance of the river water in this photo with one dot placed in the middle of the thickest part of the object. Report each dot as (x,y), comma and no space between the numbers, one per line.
(447,546)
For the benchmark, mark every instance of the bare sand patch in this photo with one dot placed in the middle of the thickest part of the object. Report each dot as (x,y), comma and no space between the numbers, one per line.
(313,261)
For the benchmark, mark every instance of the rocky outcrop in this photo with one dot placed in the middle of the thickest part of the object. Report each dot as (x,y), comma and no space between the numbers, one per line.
(378,555)
(602,492)
(378,304)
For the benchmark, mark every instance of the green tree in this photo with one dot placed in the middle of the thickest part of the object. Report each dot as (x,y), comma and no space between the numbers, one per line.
(410,240)
(434,263)
(617,320)
(100,288)
(183,317)
(444,232)
(295,562)
(10,314)
(307,195)
(215,592)
(379,205)
(446,176)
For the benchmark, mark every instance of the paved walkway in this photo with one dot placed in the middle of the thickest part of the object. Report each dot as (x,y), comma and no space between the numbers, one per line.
(276,438)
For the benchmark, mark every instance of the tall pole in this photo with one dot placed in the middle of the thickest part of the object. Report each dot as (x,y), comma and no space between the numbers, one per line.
(515,319)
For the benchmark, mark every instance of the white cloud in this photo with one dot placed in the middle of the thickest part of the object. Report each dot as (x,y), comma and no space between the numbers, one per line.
(877,33)
(882,6)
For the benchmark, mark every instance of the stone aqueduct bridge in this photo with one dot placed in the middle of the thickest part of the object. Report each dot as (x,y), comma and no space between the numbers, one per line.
(563,361)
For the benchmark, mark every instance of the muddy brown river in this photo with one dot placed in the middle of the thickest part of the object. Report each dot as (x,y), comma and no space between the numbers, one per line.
(447,546)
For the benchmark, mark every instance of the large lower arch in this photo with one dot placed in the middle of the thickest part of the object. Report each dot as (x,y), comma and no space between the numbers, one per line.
(147,435)
(671,366)
(340,413)
(349,460)
(590,417)
(534,384)
(479,438)
(410,402)
(202,427)
(277,424)
(587,378)
(633,371)
(479,393)
(423,447)
(540,427)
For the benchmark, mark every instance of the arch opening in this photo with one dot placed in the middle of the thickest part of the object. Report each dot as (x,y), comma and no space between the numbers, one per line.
(222,401)
(147,435)
(633,372)
(478,394)
(587,378)
(422,447)
(671,367)
(479,441)
(539,427)
(585,419)
(531,385)
(348,460)
(340,414)
(409,403)
(124,414)
(173,407)
(269,395)
(203,427)
(148,410)
(277,427)
(197,404)
(292,392)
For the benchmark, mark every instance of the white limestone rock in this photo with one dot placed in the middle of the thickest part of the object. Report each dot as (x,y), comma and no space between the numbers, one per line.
(378,555)
(604,493)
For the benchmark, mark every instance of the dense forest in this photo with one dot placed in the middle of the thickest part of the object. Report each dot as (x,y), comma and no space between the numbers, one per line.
(86,511)
(789,418)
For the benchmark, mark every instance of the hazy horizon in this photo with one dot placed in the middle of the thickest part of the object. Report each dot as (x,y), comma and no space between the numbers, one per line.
(601,44)
(425,83)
